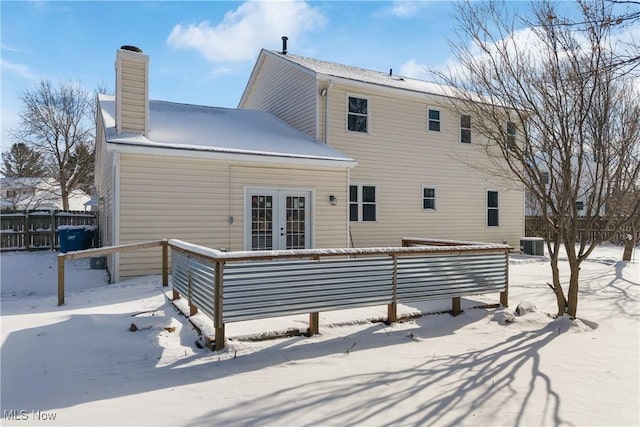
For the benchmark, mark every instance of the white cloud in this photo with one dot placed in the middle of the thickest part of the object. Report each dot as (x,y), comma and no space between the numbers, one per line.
(20,69)
(403,8)
(246,29)
(414,70)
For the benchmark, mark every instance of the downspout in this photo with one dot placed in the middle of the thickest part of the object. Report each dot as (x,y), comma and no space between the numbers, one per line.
(326,113)
(116,217)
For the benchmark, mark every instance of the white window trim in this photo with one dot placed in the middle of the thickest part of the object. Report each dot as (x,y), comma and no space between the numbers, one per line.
(346,116)
(486,208)
(247,189)
(439,120)
(435,198)
(360,202)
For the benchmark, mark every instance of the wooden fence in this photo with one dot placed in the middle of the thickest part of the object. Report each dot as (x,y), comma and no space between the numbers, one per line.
(37,229)
(535,226)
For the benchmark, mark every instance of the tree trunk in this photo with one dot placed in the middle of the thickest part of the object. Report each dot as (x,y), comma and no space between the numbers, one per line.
(557,287)
(628,249)
(572,304)
(65,200)
(631,240)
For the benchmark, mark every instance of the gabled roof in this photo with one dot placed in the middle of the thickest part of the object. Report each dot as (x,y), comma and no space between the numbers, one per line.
(223,133)
(325,70)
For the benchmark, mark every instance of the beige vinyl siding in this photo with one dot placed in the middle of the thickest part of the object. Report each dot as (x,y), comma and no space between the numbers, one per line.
(286,92)
(399,155)
(103,177)
(192,200)
(133,98)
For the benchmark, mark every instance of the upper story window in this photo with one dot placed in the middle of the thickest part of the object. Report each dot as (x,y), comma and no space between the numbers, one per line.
(493,213)
(434,120)
(428,198)
(579,205)
(362,203)
(511,134)
(357,115)
(465,128)
(544,177)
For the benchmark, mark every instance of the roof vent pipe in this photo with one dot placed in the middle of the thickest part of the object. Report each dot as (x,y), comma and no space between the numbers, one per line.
(284,44)
(391,71)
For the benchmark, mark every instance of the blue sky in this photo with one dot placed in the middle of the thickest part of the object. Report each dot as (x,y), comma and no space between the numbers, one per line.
(203,52)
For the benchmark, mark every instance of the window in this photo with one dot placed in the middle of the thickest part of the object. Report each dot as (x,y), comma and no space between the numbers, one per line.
(362,203)
(12,193)
(357,115)
(579,205)
(434,120)
(465,128)
(545,177)
(511,135)
(428,198)
(492,209)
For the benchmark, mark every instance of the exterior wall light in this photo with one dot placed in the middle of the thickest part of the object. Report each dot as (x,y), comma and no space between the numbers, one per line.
(333,200)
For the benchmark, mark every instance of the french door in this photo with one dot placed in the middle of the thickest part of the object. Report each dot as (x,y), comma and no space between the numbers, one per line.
(278,219)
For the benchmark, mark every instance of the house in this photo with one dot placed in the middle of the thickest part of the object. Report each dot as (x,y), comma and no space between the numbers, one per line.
(589,201)
(413,176)
(37,193)
(318,155)
(233,179)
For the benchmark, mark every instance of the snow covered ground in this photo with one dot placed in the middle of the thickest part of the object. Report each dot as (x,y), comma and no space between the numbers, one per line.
(80,364)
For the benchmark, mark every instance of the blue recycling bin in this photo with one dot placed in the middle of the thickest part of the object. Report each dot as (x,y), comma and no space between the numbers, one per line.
(74,239)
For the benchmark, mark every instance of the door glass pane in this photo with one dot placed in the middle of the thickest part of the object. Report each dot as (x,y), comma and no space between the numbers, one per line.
(295,217)
(261,223)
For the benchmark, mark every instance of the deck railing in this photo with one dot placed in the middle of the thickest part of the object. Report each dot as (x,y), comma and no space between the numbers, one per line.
(236,286)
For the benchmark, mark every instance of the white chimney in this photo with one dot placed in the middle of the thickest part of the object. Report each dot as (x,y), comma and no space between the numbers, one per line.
(132,91)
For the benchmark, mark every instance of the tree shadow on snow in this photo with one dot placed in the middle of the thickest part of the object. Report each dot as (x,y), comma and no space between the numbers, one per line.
(464,382)
(51,360)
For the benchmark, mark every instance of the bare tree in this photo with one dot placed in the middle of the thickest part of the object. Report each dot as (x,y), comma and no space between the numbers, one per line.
(57,121)
(556,112)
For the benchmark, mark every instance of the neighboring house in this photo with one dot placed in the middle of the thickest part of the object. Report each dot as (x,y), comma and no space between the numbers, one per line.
(586,201)
(223,178)
(413,150)
(37,193)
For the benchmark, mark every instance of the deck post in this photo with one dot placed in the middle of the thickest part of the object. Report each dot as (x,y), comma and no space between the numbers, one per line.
(61,279)
(504,295)
(455,306)
(392,308)
(176,294)
(314,323)
(218,319)
(165,262)
(392,312)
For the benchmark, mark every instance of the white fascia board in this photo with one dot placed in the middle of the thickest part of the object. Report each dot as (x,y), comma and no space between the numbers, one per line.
(254,72)
(293,64)
(397,92)
(238,157)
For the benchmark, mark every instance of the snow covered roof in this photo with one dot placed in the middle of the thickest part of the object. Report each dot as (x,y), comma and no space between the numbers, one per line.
(332,69)
(222,131)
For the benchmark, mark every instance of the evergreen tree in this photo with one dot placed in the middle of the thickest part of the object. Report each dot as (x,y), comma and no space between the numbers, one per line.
(22,161)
